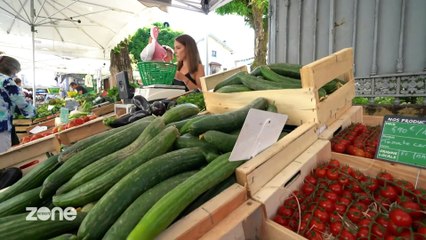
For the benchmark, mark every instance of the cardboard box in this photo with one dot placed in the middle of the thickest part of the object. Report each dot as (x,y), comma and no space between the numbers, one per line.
(301,105)
(291,178)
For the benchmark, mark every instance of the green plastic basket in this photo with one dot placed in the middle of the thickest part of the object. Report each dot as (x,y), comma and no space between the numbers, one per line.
(157,72)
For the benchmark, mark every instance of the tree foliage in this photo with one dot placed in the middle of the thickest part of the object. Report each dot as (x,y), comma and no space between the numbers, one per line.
(255,14)
(140,39)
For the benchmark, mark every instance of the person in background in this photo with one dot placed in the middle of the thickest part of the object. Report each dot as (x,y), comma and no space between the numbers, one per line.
(24,91)
(170,54)
(10,98)
(189,66)
(80,89)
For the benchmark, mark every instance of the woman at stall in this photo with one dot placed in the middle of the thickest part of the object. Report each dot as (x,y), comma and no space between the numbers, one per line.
(189,66)
(10,98)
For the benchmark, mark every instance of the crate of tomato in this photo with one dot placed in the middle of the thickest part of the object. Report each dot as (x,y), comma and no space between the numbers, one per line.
(322,196)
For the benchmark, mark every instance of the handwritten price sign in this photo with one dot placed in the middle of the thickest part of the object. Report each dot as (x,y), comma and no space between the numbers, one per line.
(403,140)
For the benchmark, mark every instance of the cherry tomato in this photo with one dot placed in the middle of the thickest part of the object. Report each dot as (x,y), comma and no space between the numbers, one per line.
(378,231)
(338,147)
(332,174)
(317,225)
(343,180)
(400,217)
(384,177)
(308,189)
(280,220)
(322,215)
(337,188)
(354,214)
(382,220)
(365,222)
(334,217)
(311,179)
(403,186)
(336,227)
(347,194)
(346,235)
(320,172)
(394,229)
(372,184)
(333,163)
(412,208)
(327,205)
(285,211)
(388,192)
(363,233)
(332,196)
(341,209)
(344,201)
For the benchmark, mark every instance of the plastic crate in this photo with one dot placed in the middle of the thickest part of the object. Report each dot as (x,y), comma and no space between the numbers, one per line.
(157,72)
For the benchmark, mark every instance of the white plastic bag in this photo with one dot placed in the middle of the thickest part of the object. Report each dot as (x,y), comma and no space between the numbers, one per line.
(153,51)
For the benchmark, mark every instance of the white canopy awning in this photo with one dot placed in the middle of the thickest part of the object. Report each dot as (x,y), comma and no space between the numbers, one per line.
(204,6)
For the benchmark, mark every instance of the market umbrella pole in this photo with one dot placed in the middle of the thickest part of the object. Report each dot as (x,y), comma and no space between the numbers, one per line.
(33,48)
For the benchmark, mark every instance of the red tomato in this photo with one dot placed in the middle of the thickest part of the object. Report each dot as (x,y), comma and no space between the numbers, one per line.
(341,209)
(311,179)
(359,152)
(400,217)
(346,235)
(86,118)
(372,184)
(384,177)
(93,116)
(343,180)
(334,217)
(320,172)
(332,174)
(363,233)
(25,139)
(285,211)
(333,163)
(322,215)
(36,136)
(335,187)
(280,220)
(412,208)
(308,189)
(317,225)
(354,214)
(338,147)
(336,227)
(327,205)
(378,231)
(332,196)
(403,186)
(344,201)
(347,194)
(78,121)
(388,192)
(394,229)
(382,220)
(365,222)
(360,206)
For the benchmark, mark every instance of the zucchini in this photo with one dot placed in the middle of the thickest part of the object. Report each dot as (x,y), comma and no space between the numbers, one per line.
(66,236)
(180,112)
(92,153)
(131,216)
(106,163)
(270,75)
(257,83)
(286,69)
(84,143)
(233,88)
(224,142)
(174,202)
(228,121)
(124,192)
(231,80)
(33,179)
(21,229)
(18,203)
(95,188)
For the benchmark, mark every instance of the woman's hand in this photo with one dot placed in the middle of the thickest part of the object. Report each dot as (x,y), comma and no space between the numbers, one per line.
(181,77)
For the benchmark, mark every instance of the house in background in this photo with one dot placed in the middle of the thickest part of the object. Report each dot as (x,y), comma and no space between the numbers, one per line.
(215,55)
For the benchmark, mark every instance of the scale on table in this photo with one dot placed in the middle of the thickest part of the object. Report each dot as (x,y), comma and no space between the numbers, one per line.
(160,91)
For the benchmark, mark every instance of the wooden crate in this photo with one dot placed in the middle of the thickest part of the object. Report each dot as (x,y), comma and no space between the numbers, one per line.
(103,109)
(74,134)
(291,178)
(243,223)
(301,105)
(204,218)
(254,174)
(353,115)
(209,82)
(30,151)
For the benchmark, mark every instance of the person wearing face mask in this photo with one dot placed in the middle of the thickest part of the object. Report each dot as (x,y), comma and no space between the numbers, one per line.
(189,66)
(10,98)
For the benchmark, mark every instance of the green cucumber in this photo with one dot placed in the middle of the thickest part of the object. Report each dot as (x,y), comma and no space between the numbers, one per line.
(224,142)
(228,121)
(12,217)
(179,124)
(131,216)
(286,69)
(257,83)
(18,203)
(95,188)
(270,75)
(158,218)
(256,71)
(180,112)
(130,187)
(92,153)
(185,128)
(209,194)
(272,107)
(231,80)
(332,86)
(187,141)
(106,163)
(20,228)
(85,143)
(322,93)
(66,236)
(32,179)
(233,88)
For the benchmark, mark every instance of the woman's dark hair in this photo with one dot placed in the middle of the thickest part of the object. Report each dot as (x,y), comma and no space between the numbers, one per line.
(9,65)
(17,81)
(191,52)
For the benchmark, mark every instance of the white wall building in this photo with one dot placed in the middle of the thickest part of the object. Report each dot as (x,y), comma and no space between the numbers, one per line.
(215,55)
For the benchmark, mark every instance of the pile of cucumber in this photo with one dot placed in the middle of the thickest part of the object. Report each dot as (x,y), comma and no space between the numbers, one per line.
(271,77)
(129,182)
